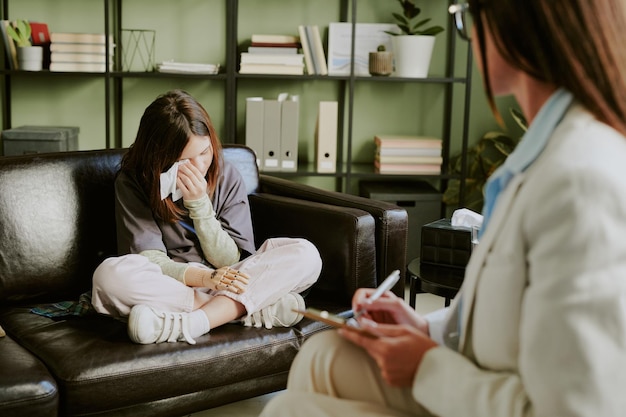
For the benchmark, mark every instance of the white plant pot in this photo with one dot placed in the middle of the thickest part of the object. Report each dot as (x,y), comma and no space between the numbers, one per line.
(412,55)
(30,58)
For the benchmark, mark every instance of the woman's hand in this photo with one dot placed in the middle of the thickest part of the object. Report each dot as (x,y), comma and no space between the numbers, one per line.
(388,309)
(191,182)
(227,279)
(398,350)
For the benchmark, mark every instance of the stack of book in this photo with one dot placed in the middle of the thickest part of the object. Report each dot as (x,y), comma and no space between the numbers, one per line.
(416,155)
(272,54)
(80,52)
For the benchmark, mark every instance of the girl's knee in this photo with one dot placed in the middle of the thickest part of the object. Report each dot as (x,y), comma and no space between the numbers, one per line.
(310,252)
(116,271)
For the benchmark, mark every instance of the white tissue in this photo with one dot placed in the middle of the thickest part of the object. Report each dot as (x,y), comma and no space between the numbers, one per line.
(168,182)
(466,218)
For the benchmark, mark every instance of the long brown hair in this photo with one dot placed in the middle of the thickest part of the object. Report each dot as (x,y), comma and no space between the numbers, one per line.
(574,44)
(164,130)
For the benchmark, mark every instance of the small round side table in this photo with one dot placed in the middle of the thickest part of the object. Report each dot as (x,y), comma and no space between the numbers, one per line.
(440,280)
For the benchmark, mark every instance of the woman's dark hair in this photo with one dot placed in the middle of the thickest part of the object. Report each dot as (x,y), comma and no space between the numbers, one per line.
(164,131)
(574,44)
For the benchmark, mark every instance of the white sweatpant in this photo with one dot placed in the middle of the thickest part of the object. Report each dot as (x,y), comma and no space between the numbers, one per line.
(280,266)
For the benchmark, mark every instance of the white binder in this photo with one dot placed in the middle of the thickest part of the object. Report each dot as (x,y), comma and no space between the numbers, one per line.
(326,137)
(271,135)
(289,125)
(254,127)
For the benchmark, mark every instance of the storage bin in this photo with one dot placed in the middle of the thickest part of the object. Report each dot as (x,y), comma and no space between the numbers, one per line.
(421,200)
(39,139)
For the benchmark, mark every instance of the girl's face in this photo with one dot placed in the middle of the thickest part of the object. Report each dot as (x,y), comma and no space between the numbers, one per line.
(199,152)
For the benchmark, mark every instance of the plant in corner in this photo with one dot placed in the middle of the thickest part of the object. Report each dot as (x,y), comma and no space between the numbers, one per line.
(29,57)
(413,46)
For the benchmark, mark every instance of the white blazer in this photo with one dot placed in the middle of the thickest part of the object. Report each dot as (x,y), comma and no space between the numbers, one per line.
(543,303)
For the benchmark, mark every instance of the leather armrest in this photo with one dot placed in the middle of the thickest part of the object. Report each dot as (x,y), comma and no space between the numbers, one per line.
(344,237)
(391,221)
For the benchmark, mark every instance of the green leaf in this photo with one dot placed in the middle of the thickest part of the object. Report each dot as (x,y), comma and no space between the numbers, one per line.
(20,33)
(421,23)
(432,31)
(405,29)
(401,19)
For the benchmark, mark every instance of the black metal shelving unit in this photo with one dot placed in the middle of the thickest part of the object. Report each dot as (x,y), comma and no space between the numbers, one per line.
(347,171)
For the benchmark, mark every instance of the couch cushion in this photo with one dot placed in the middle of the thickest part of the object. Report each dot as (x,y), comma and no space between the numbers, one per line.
(98,369)
(26,386)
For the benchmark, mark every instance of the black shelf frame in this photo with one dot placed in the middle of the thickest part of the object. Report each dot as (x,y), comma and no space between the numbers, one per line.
(346,170)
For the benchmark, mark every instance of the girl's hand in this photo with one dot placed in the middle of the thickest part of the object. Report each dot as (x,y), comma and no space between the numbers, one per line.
(388,309)
(226,279)
(191,182)
(398,350)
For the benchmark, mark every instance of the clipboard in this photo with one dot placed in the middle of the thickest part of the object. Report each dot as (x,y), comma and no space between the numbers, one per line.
(334,321)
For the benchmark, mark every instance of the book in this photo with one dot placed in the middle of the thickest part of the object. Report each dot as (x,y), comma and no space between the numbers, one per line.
(272,50)
(282,59)
(73,57)
(39,33)
(422,169)
(81,48)
(173,67)
(79,67)
(80,37)
(318,52)
(400,141)
(406,159)
(269,38)
(308,32)
(326,137)
(9,46)
(408,152)
(271,69)
(40,36)
(306,50)
(275,45)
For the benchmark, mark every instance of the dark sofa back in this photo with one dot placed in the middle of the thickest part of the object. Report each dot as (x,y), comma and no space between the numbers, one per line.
(57,222)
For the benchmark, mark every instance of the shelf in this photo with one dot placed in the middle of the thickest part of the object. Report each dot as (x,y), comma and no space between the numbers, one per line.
(346,89)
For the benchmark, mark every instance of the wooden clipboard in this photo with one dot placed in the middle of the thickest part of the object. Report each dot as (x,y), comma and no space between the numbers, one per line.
(333,320)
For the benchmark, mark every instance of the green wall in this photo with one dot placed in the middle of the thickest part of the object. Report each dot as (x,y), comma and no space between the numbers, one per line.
(194,31)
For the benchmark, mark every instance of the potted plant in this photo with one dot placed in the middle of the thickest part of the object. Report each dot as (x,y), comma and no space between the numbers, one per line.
(413,46)
(29,57)
(381,61)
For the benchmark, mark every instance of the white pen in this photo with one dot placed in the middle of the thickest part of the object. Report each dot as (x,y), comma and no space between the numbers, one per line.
(387,284)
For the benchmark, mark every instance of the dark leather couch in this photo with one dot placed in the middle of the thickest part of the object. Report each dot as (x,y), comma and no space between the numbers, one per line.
(57,224)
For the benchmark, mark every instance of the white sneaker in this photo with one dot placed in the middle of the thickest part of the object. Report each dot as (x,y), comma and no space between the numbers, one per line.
(279,314)
(148,325)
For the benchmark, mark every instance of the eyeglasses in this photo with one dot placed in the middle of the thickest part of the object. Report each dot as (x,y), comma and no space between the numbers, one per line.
(462,19)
